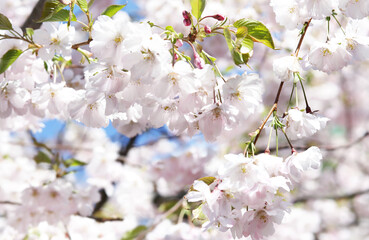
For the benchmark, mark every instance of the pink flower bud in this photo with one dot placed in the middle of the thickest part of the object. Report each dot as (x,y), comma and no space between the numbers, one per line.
(218,17)
(187,22)
(186,15)
(175,57)
(179,43)
(198,61)
(207,29)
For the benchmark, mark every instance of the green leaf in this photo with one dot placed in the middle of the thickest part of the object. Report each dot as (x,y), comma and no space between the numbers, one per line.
(197,7)
(213,59)
(169,28)
(51,7)
(46,67)
(61,16)
(9,58)
(198,216)
(241,32)
(193,205)
(237,57)
(5,24)
(72,162)
(134,233)
(208,180)
(112,10)
(228,38)
(247,45)
(83,5)
(42,157)
(90,3)
(30,32)
(257,31)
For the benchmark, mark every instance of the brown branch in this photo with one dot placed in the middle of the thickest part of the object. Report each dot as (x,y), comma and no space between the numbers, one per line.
(10,203)
(142,235)
(77,45)
(334,197)
(331,148)
(14,37)
(270,112)
(306,25)
(124,151)
(102,219)
(103,199)
(35,15)
(274,107)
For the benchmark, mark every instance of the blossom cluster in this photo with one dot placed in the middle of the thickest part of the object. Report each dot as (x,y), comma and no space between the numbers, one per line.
(135,84)
(248,195)
(53,203)
(345,47)
(137,76)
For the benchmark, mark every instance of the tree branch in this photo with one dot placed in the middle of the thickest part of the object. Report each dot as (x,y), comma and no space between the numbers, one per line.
(331,148)
(10,203)
(274,108)
(35,15)
(103,199)
(334,197)
(77,45)
(142,235)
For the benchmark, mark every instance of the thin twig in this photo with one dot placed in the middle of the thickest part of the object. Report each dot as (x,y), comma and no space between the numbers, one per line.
(306,25)
(274,107)
(77,45)
(35,15)
(10,203)
(102,219)
(334,197)
(162,218)
(331,148)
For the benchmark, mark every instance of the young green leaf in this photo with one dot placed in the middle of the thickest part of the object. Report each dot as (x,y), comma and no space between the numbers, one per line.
(237,57)
(51,7)
(133,234)
(5,24)
(90,3)
(241,32)
(257,31)
(61,16)
(208,180)
(9,58)
(213,59)
(197,7)
(198,216)
(112,10)
(228,38)
(30,32)
(72,162)
(247,45)
(83,5)
(169,28)
(42,157)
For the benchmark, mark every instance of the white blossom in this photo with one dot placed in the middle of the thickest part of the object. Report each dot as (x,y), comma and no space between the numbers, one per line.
(54,40)
(299,124)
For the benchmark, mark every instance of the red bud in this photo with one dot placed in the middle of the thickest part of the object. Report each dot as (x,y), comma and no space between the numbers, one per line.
(187,22)
(218,17)
(185,14)
(207,29)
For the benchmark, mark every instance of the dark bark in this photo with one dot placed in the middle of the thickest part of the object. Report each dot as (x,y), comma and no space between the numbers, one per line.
(34,16)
